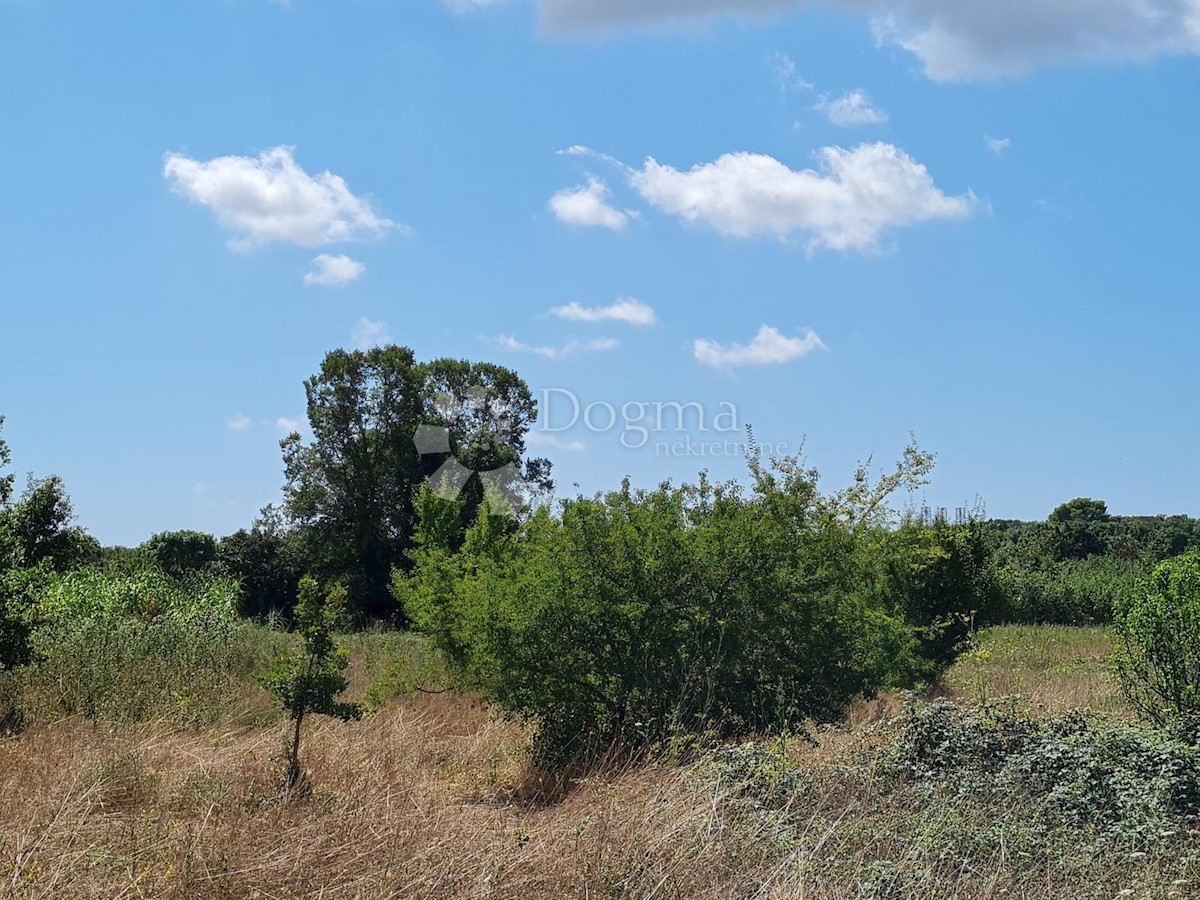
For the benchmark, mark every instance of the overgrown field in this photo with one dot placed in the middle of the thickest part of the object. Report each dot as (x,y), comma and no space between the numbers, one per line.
(434,796)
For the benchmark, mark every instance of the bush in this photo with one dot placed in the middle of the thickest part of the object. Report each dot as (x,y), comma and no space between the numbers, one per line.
(309,679)
(123,669)
(1109,780)
(1158,653)
(1072,592)
(939,578)
(146,594)
(638,616)
(181,553)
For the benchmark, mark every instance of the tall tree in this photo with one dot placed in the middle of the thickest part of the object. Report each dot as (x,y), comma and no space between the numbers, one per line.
(350,490)
(39,528)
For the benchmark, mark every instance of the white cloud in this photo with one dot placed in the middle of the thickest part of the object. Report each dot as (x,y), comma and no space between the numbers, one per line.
(999,146)
(626,310)
(286,424)
(850,109)
(240,422)
(570,348)
(368,334)
(786,77)
(586,205)
(330,271)
(954,39)
(855,196)
(538,439)
(271,198)
(769,347)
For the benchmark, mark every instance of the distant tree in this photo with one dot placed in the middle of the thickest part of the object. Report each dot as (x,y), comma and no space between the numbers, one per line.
(350,491)
(268,563)
(1080,528)
(179,553)
(39,528)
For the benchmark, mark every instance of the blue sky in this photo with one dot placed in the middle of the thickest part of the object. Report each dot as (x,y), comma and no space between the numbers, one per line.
(848,221)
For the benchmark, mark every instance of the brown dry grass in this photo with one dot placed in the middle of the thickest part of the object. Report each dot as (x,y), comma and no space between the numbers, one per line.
(1056,667)
(432,797)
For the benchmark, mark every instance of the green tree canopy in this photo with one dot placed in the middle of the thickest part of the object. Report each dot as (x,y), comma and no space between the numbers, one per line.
(38,528)
(350,489)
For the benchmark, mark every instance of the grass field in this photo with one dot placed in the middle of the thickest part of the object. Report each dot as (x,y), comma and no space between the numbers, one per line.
(432,796)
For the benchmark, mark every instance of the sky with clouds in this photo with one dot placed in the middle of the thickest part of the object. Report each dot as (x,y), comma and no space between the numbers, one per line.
(834,222)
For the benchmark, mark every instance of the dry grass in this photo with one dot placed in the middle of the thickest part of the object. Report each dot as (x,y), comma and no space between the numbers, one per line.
(1056,667)
(432,797)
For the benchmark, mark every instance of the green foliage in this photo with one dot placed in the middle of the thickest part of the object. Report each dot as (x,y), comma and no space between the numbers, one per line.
(1109,781)
(6,481)
(350,492)
(128,670)
(1158,652)
(37,528)
(939,578)
(181,553)
(1071,592)
(267,562)
(17,600)
(310,679)
(638,616)
(146,594)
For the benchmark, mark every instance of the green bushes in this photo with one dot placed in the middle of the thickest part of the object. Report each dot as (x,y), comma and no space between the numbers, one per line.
(1071,592)
(124,669)
(1158,653)
(129,648)
(145,594)
(1108,780)
(639,616)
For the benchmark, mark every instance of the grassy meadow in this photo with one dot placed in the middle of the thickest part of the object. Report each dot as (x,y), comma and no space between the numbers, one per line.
(431,795)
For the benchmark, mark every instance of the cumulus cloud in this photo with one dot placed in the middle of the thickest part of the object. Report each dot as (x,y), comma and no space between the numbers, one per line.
(850,109)
(570,348)
(769,347)
(368,334)
(954,39)
(271,198)
(330,271)
(847,203)
(627,310)
(240,422)
(289,425)
(587,205)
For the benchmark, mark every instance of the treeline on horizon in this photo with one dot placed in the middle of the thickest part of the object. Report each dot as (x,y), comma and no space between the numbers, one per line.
(637,618)
(349,512)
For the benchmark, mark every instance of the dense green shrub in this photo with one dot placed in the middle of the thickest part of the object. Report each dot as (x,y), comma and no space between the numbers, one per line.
(639,615)
(1158,652)
(939,578)
(268,564)
(1110,780)
(145,594)
(18,588)
(180,553)
(1072,592)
